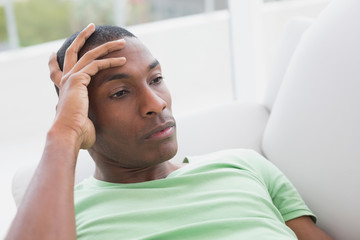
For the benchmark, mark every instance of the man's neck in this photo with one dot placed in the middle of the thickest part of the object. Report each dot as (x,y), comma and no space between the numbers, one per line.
(134,175)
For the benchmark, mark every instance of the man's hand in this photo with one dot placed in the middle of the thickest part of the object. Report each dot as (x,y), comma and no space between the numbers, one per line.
(72,109)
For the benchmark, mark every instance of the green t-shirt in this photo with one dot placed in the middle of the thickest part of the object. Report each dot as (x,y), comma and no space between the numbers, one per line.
(233,194)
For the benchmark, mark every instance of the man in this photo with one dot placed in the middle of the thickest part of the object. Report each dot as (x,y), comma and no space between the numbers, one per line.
(113,102)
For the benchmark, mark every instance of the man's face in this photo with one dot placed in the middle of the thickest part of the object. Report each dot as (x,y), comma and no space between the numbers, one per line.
(130,107)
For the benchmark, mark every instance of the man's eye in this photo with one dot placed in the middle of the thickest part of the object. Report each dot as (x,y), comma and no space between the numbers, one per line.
(120,93)
(157,80)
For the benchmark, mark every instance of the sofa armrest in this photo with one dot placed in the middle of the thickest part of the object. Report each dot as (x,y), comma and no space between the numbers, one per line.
(84,168)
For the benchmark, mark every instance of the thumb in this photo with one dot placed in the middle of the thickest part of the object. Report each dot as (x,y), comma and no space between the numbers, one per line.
(55,72)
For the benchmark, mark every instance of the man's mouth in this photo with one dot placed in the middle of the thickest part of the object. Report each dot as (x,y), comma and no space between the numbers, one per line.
(161,132)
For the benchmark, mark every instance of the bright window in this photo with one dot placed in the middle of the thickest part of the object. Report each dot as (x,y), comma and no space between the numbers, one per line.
(28,22)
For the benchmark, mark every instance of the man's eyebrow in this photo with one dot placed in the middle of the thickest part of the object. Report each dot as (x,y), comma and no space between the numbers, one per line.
(120,76)
(114,77)
(154,64)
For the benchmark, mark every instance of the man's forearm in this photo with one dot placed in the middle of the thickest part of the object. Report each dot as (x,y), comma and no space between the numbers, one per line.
(305,228)
(47,209)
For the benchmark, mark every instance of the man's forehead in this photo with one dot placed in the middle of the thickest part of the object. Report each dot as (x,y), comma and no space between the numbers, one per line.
(136,54)
(133,49)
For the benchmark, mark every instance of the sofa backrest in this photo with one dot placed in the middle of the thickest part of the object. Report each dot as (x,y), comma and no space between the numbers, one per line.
(314,129)
(290,37)
(232,125)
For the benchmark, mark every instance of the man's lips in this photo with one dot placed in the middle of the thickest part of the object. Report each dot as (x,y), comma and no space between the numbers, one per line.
(161,132)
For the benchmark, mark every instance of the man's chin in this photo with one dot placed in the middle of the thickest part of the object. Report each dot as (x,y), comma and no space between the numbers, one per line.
(164,153)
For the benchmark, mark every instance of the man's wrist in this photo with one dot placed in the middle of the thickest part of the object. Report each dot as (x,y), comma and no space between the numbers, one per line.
(64,138)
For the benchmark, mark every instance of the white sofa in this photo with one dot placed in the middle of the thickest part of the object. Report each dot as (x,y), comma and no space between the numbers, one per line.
(309,124)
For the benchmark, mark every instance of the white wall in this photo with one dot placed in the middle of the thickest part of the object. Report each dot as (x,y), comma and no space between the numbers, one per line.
(195,56)
(255,29)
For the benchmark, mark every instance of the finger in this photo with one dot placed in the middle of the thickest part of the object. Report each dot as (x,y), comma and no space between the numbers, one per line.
(104,49)
(55,72)
(98,52)
(71,55)
(84,76)
(102,64)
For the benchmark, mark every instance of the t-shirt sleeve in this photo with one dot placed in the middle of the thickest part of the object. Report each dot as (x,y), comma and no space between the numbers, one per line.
(283,193)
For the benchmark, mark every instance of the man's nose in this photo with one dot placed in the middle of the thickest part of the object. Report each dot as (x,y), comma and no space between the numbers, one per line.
(151,103)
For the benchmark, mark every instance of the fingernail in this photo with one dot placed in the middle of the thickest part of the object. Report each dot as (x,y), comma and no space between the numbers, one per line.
(52,55)
(121,40)
(90,25)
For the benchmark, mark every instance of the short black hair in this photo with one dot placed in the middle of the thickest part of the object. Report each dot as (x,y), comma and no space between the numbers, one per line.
(101,35)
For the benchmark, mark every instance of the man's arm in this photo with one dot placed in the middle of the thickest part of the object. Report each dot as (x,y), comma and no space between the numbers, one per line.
(306,229)
(47,210)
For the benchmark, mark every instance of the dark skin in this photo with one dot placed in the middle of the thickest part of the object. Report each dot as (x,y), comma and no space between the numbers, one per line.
(133,96)
(130,107)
